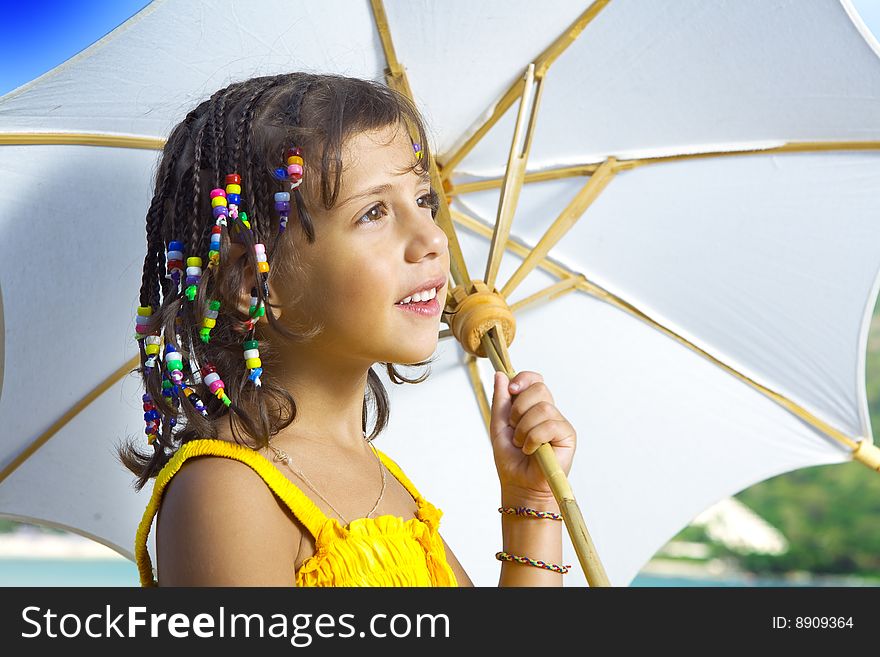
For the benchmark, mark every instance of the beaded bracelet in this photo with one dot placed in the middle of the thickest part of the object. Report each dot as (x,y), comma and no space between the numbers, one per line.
(505,556)
(526,511)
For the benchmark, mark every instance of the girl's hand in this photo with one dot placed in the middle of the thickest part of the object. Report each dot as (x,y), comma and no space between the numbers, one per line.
(519,426)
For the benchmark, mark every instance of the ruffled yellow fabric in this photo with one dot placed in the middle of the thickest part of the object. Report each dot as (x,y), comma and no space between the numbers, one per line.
(382,551)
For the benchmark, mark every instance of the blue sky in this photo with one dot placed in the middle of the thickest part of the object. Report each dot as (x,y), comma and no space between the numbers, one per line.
(40,34)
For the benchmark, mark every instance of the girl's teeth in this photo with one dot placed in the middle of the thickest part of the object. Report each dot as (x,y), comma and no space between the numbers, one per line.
(420,296)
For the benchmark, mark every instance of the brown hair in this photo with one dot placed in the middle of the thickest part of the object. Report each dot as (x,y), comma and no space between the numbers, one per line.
(247,128)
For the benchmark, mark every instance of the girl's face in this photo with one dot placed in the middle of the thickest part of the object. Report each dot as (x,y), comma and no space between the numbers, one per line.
(371,250)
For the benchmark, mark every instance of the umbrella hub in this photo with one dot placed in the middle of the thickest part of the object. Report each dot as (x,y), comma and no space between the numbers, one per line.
(471,310)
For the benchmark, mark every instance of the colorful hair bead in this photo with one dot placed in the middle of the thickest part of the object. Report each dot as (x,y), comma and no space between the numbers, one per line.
(196,401)
(418,151)
(295,167)
(209,321)
(214,383)
(152,347)
(219,206)
(257,307)
(214,252)
(233,198)
(142,322)
(193,276)
(174,364)
(174,257)
(252,360)
(151,418)
(169,390)
(282,207)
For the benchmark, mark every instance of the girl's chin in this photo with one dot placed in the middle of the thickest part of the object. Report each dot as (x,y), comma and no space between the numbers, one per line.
(415,353)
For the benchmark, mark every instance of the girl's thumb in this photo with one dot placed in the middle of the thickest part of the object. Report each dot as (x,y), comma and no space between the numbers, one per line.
(501,399)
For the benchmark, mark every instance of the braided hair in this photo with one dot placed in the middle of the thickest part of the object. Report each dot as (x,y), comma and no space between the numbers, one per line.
(246,127)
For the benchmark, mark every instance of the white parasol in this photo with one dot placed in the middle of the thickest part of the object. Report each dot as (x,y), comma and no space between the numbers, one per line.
(688,231)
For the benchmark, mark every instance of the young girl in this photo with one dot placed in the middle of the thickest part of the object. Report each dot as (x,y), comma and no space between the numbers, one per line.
(292,238)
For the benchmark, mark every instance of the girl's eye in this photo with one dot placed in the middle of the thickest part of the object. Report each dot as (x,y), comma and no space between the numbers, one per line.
(432,202)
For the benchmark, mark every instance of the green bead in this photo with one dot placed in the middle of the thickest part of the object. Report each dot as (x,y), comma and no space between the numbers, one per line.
(191,292)
(166,384)
(214,305)
(251,344)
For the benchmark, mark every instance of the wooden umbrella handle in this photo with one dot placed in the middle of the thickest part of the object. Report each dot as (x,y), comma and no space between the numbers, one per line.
(571,513)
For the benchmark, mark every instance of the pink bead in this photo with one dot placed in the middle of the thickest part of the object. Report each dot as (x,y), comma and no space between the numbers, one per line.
(177,376)
(260,248)
(217,192)
(294,170)
(216,385)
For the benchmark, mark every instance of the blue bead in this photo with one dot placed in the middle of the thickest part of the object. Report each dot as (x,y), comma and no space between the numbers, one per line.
(281,173)
(174,245)
(234,199)
(151,415)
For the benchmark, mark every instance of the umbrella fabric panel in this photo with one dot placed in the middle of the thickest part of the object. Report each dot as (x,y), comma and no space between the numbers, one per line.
(767,262)
(70,277)
(663,434)
(652,79)
(143,77)
(75,482)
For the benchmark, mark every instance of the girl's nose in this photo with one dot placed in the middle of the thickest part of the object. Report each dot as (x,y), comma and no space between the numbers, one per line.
(425,236)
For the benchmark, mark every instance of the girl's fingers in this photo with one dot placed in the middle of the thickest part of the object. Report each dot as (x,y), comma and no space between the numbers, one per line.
(523,380)
(539,412)
(537,393)
(545,432)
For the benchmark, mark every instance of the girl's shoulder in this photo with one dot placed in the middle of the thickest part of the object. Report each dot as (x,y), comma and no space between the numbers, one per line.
(219,524)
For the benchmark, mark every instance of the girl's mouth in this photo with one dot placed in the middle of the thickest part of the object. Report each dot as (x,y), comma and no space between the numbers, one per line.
(429,308)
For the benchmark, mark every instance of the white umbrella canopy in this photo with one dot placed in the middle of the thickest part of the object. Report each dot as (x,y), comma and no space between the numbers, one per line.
(713,333)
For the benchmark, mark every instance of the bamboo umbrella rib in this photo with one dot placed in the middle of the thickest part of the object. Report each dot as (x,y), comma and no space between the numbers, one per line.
(79,139)
(563,223)
(542,63)
(513,177)
(395,76)
(479,390)
(572,171)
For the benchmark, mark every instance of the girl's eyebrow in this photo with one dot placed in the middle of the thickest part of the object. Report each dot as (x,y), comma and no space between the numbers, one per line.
(382,189)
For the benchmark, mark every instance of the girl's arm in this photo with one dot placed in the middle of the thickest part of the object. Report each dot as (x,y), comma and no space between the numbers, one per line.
(220,525)
(523,418)
(535,538)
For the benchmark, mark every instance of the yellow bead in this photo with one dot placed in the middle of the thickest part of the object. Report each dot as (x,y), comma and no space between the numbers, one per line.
(294,159)
(145,311)
(253,363)
(218,200)
(151,349)
(233,189)
(209,322)
(194,262)
(263,267)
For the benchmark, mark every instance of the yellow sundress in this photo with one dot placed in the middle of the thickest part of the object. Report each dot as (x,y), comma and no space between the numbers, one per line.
(382,551)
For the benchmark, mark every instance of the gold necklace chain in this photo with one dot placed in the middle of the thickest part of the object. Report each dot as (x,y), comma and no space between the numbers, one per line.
(281,455)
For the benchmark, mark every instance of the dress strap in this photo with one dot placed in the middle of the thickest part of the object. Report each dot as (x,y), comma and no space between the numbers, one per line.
(298,502)
(402,478)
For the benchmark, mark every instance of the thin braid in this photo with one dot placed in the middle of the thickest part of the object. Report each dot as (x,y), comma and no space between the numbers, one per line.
(194,247)
(305,222)
(218,134)
(240,125)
